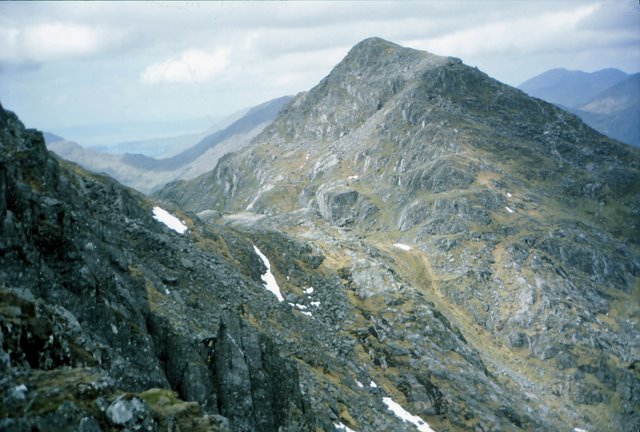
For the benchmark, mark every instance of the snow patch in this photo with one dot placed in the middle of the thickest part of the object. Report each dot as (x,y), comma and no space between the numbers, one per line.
(20,392)
(341,426)
(508,194)
(308,290)
(359,384)
(353,177)
(372,384)
(509,210)
(315,304)
(402,246)
(169,220)
(269,280)
(302,308)
(403,414)
(579,430)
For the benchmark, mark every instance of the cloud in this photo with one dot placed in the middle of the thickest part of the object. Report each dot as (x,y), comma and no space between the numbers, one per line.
(192,66)
(534,33)
(275,48)
(39,43)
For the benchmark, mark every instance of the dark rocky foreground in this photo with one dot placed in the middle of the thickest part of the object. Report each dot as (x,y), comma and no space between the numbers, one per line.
(112,321)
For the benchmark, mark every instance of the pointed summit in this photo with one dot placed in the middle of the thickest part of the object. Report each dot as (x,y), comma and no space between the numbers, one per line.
(371,73)
(376,55)
(374,45)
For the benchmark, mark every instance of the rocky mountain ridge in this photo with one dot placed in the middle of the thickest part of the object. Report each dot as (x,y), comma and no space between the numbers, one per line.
(110,320)
(516,220)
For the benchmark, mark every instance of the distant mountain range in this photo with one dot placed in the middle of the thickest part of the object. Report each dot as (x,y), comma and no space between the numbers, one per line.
(164,146)
(147,174)
(607,100)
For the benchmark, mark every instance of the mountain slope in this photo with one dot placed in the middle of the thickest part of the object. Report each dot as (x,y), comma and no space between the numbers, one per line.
(607,100)
(147,174)
(431,185)
(571,88)
(615,111)
(110,320)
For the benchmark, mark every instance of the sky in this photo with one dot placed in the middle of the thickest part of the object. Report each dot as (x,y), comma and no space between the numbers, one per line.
(101,72)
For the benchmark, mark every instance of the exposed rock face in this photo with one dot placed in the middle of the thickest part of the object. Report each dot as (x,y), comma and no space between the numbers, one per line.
(258,389)
(522,224)
(342,205)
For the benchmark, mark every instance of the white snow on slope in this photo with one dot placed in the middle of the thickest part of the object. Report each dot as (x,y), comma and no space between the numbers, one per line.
(269,280)
(400,412)
(169,220)
(341,426)
(509,210)
(402,246)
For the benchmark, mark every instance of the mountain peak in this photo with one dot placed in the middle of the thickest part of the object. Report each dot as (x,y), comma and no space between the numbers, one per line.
(371,73)
(375,42)
(376,52)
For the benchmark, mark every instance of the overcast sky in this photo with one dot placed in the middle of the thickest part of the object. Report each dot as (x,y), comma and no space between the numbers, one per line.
(68,65)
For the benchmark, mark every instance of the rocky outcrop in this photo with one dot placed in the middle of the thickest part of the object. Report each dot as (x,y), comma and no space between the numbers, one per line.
(257,389)
(342,205)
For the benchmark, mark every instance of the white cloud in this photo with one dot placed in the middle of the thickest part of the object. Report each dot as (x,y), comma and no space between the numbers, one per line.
(535,33)
(49,41)
(275,48)
(192,66)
